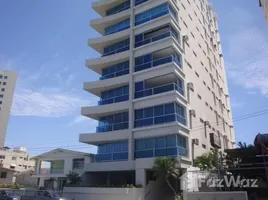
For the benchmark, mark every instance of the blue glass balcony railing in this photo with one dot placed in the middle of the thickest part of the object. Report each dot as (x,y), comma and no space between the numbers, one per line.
(155,38)
(163,119)
(114,100)
(157,62)
(120,156)
(116,51)
(151,17)
(115,74)
(112,127)
(158,90)
(169,151)
(119,8)
(138,2)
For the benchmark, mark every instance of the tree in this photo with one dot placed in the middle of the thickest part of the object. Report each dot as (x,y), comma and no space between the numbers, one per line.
(207,161)
(244,145)
(166,168)
(73,178)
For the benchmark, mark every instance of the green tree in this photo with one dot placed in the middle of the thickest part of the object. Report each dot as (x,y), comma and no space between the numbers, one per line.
(243,145)
(166,168)
(207,161)
(73,178)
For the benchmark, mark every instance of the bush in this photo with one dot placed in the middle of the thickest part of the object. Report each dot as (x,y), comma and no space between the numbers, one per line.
(11,186)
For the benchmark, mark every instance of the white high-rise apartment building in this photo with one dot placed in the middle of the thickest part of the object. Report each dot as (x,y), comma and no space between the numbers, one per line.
(162,87)
(7,87)
(264,5)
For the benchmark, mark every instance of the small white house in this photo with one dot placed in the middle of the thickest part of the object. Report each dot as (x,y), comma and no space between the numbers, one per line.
(56,164)
(6,175)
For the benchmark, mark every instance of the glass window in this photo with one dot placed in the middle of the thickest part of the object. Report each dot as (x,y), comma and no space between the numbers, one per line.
(148,112)
(139,86)
(159,110)
(171,141)
(169,108)
(139,145)
(160,142)
(139,114)
(149,144)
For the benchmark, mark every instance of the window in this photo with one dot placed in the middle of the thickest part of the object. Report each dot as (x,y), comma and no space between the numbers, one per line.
(195,54)
(192,35)
(121,7)
(160,114)
(113,122)
(1,76)
(14,158)
(116,48)
(115,95)
(197,74)
(5,77)
(190,17)
(115,70)
(183,6)
(1,96)
(171,145)
(201,120)
(4,83)
(154,13)
(185,24)
(112,151)
(138,2)
(199,97)
(117,27)
(197,29)
(3,175)
(78,163)
(2,157)
(12,167)
(2,89)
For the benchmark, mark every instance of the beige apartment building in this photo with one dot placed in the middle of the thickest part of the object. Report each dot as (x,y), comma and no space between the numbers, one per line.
(7,87)
(17,159)
(162,87)
(264,5)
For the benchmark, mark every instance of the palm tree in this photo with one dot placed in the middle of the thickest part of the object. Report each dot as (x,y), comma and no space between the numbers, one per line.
(244,145)
(166,168)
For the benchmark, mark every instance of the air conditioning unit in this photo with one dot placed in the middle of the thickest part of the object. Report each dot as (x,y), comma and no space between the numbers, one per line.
(195,141)
(190,86)
(221,55)
(185,38)
(192,112)
(231,126)
(207,123)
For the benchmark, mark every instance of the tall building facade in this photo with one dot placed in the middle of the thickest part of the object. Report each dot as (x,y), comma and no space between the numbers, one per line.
(7,88)
(264,5)
(162,87)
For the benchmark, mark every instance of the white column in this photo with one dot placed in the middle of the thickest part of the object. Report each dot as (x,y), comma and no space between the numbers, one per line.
(141,177)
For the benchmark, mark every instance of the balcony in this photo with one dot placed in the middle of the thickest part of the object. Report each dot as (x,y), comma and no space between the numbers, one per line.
(119,8)
(158,85)
(138,2)
(113,122)
(157,58)
(155,35)
(114,96)
(103,6)
(116,48)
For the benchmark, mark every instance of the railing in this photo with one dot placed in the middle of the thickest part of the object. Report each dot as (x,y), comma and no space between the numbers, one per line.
(109,157)
(158,90)
(112,127)
(157,62)
(116,51)
(155,38)
(167,151)
(114,99)
(57,171)
(151,17)
(117,30)
(119,8)
(138,2)
(162,119)
(115,74)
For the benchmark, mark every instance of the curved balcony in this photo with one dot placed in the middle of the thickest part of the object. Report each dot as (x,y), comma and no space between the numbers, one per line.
(100,43)
(102,25)
(102,6)
(98,64)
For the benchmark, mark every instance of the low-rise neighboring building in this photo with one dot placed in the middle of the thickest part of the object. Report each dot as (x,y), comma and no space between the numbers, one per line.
(56,164)
(17,159)
(26,178)
(7,175)
(264,5)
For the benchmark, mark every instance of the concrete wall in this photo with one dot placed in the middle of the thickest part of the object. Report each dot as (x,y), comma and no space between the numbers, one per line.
(26,179)
(9,178)
(104,193)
